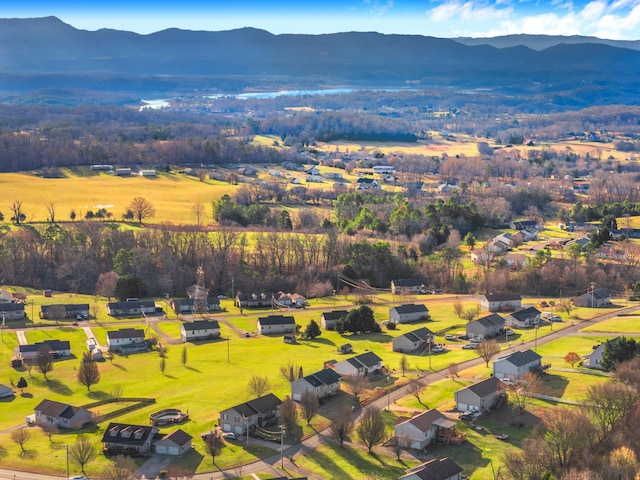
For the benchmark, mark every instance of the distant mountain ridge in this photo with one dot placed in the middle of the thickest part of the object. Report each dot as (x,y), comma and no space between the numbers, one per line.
(47,53)
(542,42)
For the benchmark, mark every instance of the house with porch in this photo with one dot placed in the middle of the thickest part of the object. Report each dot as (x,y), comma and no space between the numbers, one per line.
(435,469)
(176,443)
(489,326)
(500,302)
(525,318)
(62,415)
(424,429)
(126,339)
(598,298)
(127,439)
(70,310)
(328,320)
(131,308)
(408,313)
(481,396)
(29,353)
(413,341)
(276,324)
(516,364)
(322,384)
(11,311)
(262,412)
(406,286)
(199,330)
(364,364)
(254,300)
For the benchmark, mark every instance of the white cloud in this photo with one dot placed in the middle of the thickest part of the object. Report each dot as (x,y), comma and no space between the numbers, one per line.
(467,11)
(378,8)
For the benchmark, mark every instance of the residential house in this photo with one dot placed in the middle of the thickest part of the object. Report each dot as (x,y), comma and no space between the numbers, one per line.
(126,339)
(525,318)
(328,320)
(254,300)
(199,330)
(275,324)
(323,384)
(598,298)
(480,396)
(516,364)
(364,364)
(123,172)
(529,234)
(127,439)
(515,260)
(424,429)
(482,256)
(186,305)
(499,302)
(408,313)
(406,286)
(70,310)
(594,359)
(11,311)
(364,183)
(61,415)
(413,341)
(176,443)
(134,308)
(447,188)
(313,179)
(436,469)
(286,300)
(29,353)
(524,225)
(262,412)
(582,241)
(6,392)
(486,327)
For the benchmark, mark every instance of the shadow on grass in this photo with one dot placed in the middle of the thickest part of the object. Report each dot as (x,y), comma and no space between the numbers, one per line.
(322,341)
(28,454)
(26,395)
(118,366)
(56,386)
(192,369)
(3,452)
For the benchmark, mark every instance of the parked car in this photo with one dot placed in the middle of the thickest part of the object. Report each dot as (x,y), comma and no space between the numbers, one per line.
(477,339)
(463,337)
(448,336)
(510,332)
(229,436)
(555,318)
(470,415)
(438,349)
(470,346)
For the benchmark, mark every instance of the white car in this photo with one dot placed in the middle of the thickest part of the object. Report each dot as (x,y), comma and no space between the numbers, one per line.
(448,336)
(510,332)
(438,349)
(229,436)
(470,346)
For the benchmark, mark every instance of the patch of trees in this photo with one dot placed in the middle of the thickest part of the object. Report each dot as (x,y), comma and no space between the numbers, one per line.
(359,320)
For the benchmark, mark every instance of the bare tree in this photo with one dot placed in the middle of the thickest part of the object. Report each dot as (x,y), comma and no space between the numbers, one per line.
(49,430)
(567,432)
(609,403)
(56,312)
(288,413)
(82,452)
(116,392)
(452,370)
(163,364)
(396,444)
(184,356)
(122,468)
(198,210)
(487,349)
(416,389)
(565,306)
(20,436)
(309,405)
(213,443)
(457,308)
(258,385)
(142,209)
(356,385)
(470,314)
(627,372)
(343,425)
(371,427)
(290,372)
(88,373)
(106,285)
(18,215)
(404,364)
(44,360)
(51,209)
(519,392)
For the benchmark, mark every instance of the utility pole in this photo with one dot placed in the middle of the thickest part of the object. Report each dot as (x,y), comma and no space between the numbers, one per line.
(282,430)
(67,462)
(593,286)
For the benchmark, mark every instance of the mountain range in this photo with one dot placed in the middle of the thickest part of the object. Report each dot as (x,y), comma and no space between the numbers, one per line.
(45,52)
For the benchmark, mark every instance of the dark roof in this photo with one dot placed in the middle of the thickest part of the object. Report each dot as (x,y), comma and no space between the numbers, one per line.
(486,387)
(54,345)
(124,433)
(328,376)
(191,301)
(407,282)
(424,420)
(525,313)
(368,359)
(490,320)
(601,293)
(365,180)
(502,297)
(126,333)
(179,437)
(436,469)
(522,358)
(54,409)
(335,315)
(131,304)
(418,335)
(11,307)
(261,405)
(411,308)
(69,307)
(201,325)
(276,320)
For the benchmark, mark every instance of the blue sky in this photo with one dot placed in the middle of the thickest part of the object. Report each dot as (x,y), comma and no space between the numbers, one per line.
(613,19)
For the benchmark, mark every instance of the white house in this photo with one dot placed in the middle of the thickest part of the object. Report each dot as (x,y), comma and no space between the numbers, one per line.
(488,326)
(480,396)
(598,298)
(199,330)
(496,302)
(525,318)
(422,429)
(412,341)
(57,348)
(322,384)
(176,443)
(363,364)
(408,313)
(11,311)
(262,411)
(126,338)
(594,359)
(61,415)
(406,286)
(516,364)
(328,319)
(368,184)
(275,324)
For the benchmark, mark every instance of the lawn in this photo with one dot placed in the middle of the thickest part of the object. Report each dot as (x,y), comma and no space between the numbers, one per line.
(621,325)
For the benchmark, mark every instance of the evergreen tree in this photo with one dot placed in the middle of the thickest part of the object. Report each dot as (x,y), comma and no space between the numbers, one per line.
(312,330)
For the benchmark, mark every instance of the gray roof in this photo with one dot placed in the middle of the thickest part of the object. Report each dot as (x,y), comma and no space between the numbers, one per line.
(502,297)
(201,325)
(127,305)
(407,282)
(486,387)
(418,335)
(124,433)
(125,333)
(335,315)
(525,313)
(436,469)
(51,408)
(368,359)
(261,405)
(69,307)
(522,358)
(179,437)
(276,320)
(328,376)
(11,307)
(54,346)
(490,320)
(411,308)
(422,421)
